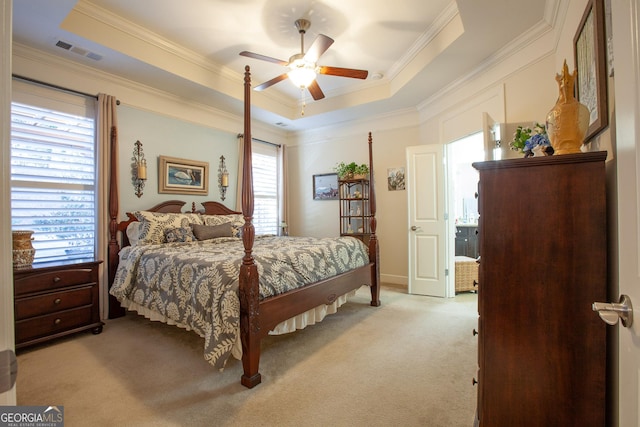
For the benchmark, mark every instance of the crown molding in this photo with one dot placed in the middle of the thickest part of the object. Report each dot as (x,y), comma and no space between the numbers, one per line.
(440,23)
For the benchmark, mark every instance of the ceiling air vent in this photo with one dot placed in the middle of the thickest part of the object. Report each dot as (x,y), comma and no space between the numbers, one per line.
(63,45)
(78,50)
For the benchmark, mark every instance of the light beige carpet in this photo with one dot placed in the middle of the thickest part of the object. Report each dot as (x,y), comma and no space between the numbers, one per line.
(409,362)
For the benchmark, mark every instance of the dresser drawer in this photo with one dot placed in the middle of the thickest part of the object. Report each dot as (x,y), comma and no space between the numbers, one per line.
(53,302)
(51,280)
(52,323)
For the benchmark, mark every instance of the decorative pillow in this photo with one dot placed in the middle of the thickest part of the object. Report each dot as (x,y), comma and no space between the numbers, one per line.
(236,220)
(133,232)
(206,232)
(154,224)
(180,234)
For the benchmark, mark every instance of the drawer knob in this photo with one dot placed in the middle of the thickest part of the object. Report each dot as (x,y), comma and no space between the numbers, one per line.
(474,382)
(475,332)
(57,301)
(475,283)
(56,279)
(57,321)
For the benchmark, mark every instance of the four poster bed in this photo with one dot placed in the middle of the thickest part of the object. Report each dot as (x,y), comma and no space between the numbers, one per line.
(263,284)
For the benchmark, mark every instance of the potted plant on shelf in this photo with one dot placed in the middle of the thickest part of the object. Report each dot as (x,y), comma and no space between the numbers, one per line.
(352,170)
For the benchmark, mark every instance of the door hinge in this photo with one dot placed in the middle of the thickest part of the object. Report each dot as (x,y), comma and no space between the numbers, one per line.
(8,370)
(446,215)
(446,271)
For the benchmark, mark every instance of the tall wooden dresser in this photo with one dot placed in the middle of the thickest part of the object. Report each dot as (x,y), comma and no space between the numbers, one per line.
(543,257)
(57,300)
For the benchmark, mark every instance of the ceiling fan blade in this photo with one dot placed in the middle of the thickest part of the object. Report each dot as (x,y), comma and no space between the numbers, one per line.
(271,82)
(319,46)
(344,72)
(315,91)
(263,58)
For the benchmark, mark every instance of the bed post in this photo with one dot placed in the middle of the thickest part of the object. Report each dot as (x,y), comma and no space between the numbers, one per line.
(374,250)
(248,287)
(115,309)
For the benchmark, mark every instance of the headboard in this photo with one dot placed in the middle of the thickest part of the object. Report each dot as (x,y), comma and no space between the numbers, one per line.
(173,206)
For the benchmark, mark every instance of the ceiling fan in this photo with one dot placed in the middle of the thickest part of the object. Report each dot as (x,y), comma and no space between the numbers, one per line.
(303,67)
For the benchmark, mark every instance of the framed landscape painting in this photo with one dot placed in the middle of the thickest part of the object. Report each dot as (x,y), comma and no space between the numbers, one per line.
(325,186)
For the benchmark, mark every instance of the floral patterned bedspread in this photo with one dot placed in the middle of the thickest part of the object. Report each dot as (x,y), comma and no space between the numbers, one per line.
(195,284)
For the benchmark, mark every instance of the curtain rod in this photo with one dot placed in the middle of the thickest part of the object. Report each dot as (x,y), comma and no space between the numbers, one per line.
(75,92)
(263,141)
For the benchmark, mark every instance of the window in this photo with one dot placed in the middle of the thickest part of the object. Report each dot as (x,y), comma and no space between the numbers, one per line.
(265,187)
(53,172)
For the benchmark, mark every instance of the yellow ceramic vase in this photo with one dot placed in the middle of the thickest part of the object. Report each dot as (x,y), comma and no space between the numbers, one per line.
(568,120)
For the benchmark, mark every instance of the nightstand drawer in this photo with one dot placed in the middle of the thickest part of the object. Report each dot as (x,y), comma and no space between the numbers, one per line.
(52,323)
(53,302)
(54,280)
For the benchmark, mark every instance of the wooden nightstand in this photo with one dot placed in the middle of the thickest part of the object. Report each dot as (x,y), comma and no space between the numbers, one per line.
(54,301)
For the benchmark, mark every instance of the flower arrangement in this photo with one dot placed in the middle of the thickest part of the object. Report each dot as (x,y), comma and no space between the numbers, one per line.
(348,170)
(528,141)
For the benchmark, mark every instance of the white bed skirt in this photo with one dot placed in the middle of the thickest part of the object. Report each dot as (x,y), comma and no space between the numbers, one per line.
(301,321)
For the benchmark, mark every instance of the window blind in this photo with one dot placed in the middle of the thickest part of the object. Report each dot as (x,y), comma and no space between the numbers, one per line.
(265,187)
(53,181)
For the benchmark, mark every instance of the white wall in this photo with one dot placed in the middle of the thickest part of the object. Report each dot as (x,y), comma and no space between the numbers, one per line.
(520,88)
(167,136)
(320,217)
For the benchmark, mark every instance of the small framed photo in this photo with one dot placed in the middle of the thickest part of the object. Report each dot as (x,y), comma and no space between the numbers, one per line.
(395,179)
(325,186)
(182,176)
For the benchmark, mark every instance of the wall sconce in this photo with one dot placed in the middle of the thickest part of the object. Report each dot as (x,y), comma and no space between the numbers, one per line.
(223,178)
(139,171)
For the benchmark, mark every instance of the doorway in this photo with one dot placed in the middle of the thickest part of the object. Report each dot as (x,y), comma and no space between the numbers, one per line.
(462,187)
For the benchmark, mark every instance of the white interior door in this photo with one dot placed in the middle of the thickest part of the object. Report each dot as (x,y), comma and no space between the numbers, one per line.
(427,226)
(490,133)
(626,45)
(6,258)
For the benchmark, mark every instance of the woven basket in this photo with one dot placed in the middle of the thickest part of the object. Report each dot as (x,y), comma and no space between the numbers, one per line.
(466,273)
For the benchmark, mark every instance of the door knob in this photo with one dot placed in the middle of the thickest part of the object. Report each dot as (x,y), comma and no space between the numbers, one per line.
(414,228)
(612,312)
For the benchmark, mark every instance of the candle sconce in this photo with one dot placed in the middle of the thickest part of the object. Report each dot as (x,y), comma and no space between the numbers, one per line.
(139,169)
(223,178)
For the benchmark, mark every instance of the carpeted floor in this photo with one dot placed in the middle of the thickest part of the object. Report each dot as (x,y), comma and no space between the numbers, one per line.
(409,362)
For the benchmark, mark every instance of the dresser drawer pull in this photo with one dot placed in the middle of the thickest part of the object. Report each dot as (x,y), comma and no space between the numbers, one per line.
(57,321)
(56,279)
(474,381)
(57,301)
(475,332)
(475,283)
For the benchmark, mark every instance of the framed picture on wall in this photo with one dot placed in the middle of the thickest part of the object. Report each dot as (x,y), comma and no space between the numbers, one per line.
(395,179)
(591,65)
(182,176)
(325,186)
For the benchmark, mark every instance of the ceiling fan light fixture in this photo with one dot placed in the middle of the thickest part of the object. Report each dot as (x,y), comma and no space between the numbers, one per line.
(301,73)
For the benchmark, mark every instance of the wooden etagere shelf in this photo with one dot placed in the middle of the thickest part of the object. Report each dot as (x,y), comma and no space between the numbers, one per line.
(355,209)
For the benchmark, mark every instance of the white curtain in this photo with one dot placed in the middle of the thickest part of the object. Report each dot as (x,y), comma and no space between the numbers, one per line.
(106,125)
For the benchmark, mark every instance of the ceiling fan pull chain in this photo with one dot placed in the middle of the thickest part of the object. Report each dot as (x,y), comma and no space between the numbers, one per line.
(304,104)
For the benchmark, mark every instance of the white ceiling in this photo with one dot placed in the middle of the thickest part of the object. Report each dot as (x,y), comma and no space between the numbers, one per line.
(411,48)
